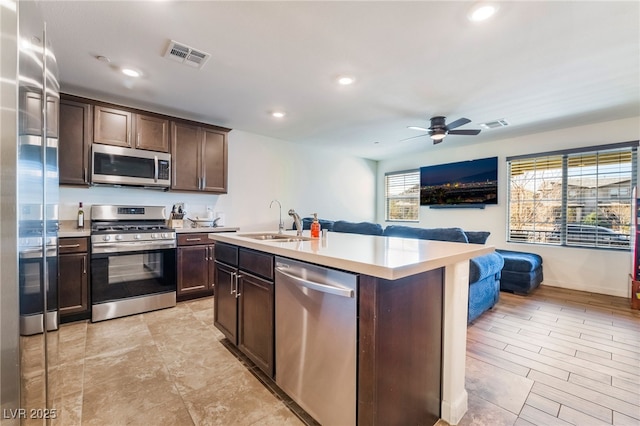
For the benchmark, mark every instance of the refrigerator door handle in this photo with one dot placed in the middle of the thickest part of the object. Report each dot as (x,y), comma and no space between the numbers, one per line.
(338,291)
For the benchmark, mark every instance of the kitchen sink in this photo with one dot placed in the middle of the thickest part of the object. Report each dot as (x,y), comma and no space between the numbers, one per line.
(272,237)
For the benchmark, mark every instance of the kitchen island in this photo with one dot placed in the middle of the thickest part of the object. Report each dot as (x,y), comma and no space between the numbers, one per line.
(412,319)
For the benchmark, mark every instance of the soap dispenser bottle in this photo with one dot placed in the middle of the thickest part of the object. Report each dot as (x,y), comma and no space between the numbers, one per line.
(315,227)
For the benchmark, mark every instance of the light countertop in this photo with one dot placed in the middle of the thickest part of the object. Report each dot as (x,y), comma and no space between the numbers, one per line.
(209,229)
(383,257)
(68,228)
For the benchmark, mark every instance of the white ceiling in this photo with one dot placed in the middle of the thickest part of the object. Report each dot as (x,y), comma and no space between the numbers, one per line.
(540,65)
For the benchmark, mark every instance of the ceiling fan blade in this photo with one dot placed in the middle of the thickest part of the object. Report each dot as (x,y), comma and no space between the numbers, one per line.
(459,122)
(418,128)
(471,132)
(413,137)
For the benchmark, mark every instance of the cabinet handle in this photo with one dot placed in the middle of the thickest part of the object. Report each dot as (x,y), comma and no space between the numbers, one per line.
(84,265)
(69,245)
(238,276)
(194,239)
(233,281)
(138,140)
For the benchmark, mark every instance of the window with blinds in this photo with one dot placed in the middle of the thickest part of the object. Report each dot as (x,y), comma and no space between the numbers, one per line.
(579,198)
(402,196)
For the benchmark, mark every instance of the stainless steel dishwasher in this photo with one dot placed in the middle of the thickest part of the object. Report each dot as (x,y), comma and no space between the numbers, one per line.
(316,339)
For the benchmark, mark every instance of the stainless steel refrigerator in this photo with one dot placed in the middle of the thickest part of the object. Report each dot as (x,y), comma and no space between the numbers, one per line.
(29,212)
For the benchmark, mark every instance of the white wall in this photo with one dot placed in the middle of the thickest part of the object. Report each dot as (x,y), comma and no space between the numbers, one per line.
(261,169)
(594,270)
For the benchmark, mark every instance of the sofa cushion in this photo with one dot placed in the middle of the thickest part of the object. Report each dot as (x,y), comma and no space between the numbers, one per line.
(477,237)
(366,228)
(455,235)
(486,265)
(518,261)
(483,295)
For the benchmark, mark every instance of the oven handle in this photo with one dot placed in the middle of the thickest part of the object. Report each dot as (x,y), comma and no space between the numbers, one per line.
(98,248)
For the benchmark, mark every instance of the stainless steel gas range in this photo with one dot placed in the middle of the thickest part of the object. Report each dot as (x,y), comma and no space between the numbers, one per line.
(133,261)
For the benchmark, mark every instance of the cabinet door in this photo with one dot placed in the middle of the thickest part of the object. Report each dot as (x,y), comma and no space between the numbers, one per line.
(74,142)
(152,133)
(73,283)
(225,312)
(185,146)
(112,126)
(214,161)
(256,320)
(193,269)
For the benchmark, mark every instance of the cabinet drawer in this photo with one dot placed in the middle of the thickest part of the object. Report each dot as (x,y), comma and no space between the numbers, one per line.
(194,239)
(256,262)
(73,245)
(226,253)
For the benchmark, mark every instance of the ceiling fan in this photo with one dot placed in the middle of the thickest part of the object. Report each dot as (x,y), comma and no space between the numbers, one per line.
(439,129)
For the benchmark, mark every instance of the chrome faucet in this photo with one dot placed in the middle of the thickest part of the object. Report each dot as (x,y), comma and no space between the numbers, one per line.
(296,219)
(281,223)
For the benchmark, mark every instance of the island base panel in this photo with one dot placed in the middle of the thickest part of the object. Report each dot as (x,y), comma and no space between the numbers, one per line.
(400,356)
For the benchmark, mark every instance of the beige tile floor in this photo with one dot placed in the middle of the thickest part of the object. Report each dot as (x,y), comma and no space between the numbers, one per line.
(556,357)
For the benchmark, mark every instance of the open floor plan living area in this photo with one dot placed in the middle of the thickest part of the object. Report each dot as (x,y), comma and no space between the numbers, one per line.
(337,213)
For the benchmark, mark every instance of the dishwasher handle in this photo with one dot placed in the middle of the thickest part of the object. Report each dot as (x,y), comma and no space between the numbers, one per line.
(324,288)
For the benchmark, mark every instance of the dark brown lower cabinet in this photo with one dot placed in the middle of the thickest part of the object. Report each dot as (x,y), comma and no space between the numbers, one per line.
(73,279)
(244,302)
(195,266)
(256,320)
(225,315)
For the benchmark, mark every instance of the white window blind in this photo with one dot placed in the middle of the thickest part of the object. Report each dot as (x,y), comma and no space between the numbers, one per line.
(573,198)
(402,195)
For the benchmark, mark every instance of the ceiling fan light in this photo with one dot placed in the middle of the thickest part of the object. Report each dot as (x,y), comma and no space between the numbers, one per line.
(438,135)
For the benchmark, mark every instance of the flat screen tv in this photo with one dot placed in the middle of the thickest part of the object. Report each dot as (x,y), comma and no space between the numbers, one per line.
(465,184)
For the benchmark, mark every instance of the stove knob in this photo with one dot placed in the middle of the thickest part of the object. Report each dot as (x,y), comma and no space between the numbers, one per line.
(118,237)
(165,235)
(106,238)
(153,236)
(137,237)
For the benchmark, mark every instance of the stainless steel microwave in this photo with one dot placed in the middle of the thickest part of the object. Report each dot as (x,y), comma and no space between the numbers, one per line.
(128,166)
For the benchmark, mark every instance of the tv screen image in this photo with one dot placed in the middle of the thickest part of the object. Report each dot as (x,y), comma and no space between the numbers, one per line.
(473,182)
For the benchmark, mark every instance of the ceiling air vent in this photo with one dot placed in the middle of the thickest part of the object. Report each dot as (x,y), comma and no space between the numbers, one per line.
(187,55)
(494,124)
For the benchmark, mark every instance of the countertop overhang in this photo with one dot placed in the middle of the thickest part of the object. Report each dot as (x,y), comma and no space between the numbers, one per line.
(389,258)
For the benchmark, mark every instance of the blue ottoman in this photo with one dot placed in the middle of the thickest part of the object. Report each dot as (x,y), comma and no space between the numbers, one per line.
(522,272)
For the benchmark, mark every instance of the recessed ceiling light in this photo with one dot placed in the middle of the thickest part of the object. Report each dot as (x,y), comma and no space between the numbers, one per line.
(278,114)
(482,12)
(346,80)
(130,72)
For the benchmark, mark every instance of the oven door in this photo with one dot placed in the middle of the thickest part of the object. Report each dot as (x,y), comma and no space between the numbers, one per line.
(126,283)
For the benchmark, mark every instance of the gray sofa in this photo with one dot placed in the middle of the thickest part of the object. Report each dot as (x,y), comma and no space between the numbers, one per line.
(484,271)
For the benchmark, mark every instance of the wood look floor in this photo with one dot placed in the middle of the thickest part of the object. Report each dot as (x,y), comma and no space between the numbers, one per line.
(556,357)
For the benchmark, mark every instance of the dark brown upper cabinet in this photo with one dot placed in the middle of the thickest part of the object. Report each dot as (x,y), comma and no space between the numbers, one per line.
(74,144)
(119,127)
(199,155)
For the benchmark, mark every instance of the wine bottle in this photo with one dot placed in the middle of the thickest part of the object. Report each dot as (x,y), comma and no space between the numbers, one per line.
(80,217)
